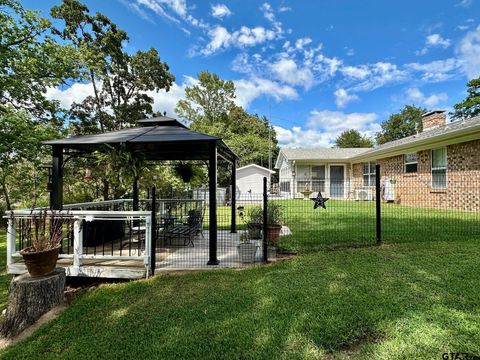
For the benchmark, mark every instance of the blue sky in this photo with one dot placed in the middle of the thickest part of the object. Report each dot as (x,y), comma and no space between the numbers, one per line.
(314,68)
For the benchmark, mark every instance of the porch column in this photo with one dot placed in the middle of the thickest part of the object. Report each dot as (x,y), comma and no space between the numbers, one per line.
(56,195)
(233,225)
(212,199)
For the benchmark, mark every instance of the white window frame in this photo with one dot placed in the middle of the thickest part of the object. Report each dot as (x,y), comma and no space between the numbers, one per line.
(371,171)
(410,163)
(439,168)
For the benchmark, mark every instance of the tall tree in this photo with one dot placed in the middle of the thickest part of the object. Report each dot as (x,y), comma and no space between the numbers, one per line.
(209,101)
(471,105)
(31,61)
(405,123)
(119,80)
(353,139)
(210,105)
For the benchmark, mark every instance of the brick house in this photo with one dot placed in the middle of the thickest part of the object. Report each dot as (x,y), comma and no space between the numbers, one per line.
(438,167)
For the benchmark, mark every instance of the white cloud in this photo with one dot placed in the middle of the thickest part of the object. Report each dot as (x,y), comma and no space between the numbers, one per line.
(434,41)
(220,11)
(75,93)
(437,40)
(342,97)
(356,72)
(300,43)
(414,94)
(296,137)
(464,3)
(221,38)
(376,75)
(284,9)
(250,89)
(287,71)
(468,52)
(436,71)
(324,126)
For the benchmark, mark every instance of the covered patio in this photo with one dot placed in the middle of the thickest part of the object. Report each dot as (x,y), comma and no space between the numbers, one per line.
(144,223)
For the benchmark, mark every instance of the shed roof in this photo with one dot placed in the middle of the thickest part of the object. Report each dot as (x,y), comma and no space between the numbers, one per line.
(255,166)
(159,138)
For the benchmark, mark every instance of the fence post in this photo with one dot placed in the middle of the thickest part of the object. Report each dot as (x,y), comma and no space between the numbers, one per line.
(265,220)
(11,239)
(77,243)
(153,238)
(378,206)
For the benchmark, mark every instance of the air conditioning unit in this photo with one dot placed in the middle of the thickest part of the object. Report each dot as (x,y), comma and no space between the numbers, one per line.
(363,195)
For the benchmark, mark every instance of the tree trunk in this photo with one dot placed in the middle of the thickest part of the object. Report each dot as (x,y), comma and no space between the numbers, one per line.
(29,299)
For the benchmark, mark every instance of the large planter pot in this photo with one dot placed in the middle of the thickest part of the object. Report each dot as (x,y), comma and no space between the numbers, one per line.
(40,263)
(254,230)
(271,252)
(273,233)
(247,252)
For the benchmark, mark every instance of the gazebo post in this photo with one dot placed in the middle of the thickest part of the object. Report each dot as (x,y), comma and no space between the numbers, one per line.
(233,203)
(135,194)
(212,200)
(56,196)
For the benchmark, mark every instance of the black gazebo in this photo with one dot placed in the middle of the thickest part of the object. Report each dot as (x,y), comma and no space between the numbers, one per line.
(159,138)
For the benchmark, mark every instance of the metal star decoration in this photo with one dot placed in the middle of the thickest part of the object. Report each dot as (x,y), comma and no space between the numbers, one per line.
(320,201)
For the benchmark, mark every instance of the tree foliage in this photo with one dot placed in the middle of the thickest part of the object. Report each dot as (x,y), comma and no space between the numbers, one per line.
(400,125)
(120,81)
(471,105)
(31,61)
(21,147)
(353,139)
(210,106)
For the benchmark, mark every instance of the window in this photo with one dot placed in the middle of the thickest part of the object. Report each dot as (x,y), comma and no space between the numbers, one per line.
(411,163)
(439,168)
(318,178)
(369,174)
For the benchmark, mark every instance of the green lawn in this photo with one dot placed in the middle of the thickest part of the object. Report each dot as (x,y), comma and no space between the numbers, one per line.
(416,297)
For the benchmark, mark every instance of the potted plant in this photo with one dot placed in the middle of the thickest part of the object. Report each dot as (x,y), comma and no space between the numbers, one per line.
(274,222)
(247,250)
(271,251)
(254,223)
(43,232)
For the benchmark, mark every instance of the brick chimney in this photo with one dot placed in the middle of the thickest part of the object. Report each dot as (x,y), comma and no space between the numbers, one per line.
(433,119)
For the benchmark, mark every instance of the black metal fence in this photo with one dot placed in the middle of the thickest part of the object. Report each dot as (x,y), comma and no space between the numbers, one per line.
(388,207)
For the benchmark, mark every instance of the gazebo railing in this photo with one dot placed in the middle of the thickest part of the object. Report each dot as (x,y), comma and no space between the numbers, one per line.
(95,243)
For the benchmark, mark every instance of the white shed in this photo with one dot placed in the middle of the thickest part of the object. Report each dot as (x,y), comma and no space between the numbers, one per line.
(250,180)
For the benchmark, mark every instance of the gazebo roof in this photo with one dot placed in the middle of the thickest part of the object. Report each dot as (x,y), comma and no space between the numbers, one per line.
(160,138)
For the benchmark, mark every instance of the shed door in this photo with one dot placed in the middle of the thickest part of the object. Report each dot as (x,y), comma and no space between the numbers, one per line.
(337,178)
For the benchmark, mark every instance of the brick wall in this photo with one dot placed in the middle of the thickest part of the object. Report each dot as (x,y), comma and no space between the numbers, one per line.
(415,189)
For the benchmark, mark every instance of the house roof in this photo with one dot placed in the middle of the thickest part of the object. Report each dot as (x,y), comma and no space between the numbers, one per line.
(329,154)
(159,138)
(256,167)
(451,133)
(454,132)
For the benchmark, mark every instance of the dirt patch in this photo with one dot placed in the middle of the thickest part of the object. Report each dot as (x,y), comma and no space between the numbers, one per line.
(354,348)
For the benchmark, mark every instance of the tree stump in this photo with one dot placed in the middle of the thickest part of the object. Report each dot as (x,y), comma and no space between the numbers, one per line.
(30,298)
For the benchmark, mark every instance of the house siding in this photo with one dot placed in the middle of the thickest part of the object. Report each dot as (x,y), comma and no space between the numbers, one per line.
(463,178)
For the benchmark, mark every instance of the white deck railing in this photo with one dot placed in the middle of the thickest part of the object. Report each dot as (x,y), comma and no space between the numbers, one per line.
(120,265)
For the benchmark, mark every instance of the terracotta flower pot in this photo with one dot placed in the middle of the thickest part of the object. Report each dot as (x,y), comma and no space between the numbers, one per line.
(42,262)
(273,233)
